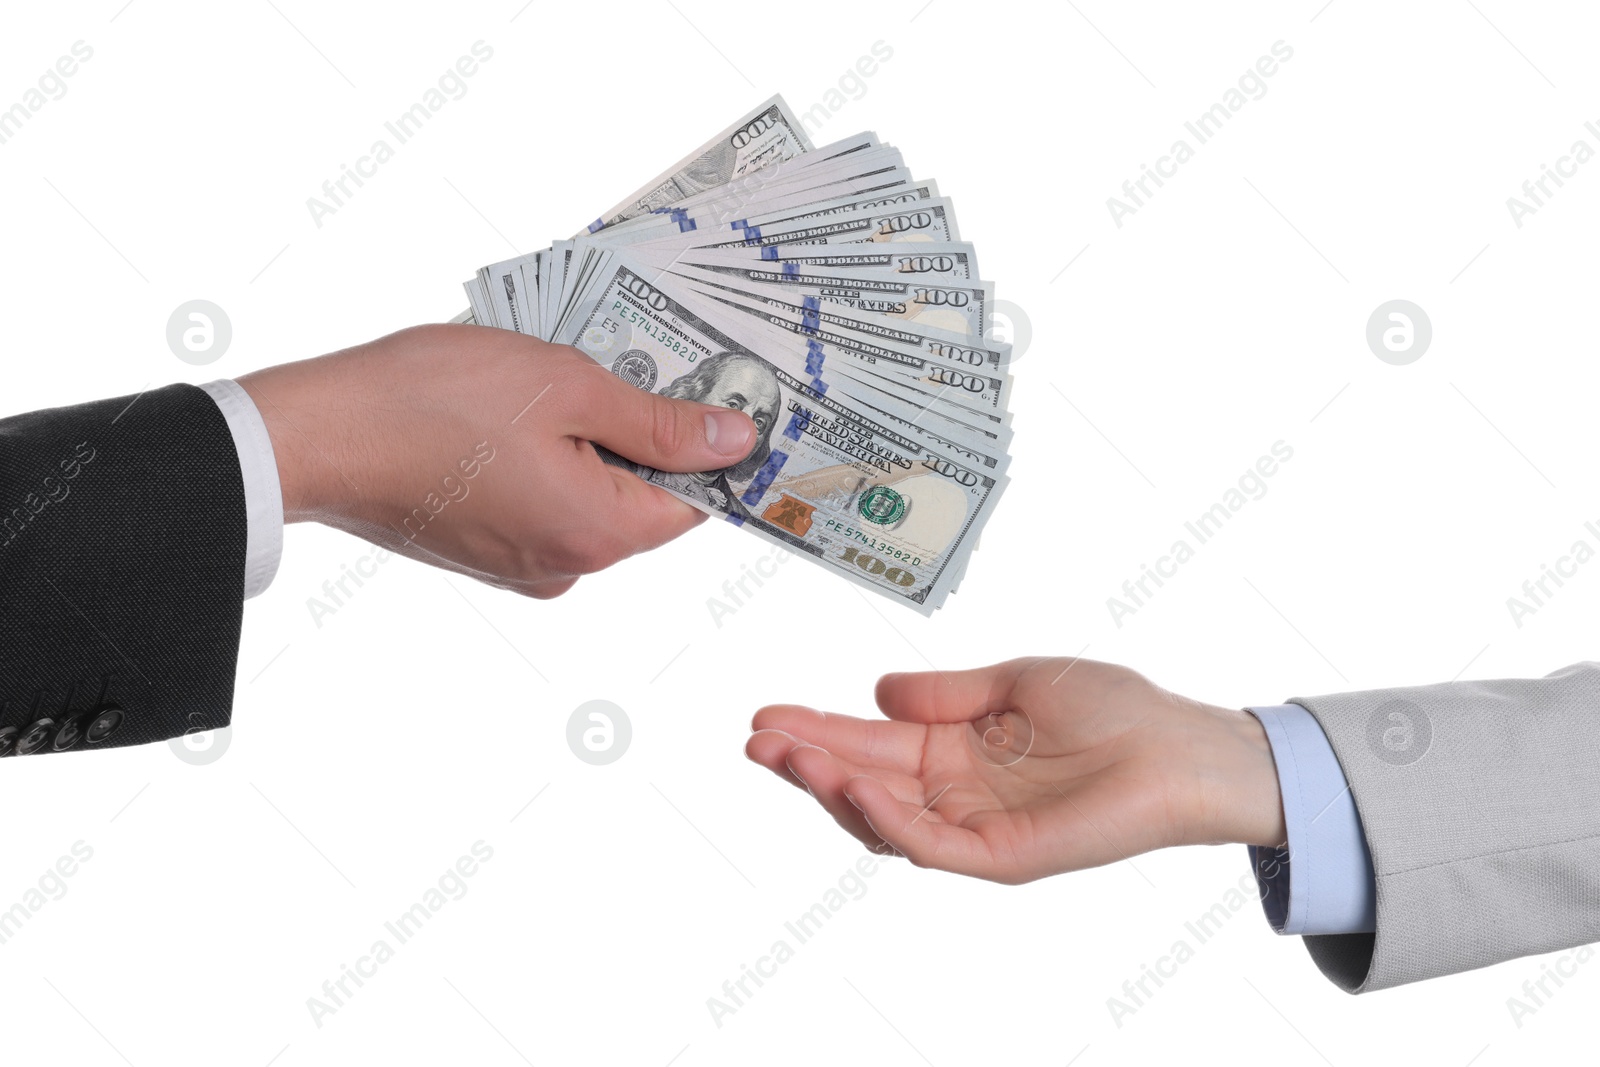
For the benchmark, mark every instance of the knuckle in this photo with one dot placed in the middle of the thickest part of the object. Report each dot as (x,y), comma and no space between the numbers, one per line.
(549,590)
(669,429)
(554,557)
(425,335)
(578,555)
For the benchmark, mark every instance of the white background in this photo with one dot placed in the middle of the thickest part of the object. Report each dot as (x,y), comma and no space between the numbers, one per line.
(1229,313)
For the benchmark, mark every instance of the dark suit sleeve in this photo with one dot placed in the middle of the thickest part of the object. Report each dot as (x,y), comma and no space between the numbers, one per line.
(122,552)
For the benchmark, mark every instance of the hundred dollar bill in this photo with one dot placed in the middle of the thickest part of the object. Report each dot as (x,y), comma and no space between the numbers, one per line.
(768,134)
(886,508)
(961,376)
(809,169)
(922,220)
(848,326)
(852,183)
(858,155)
(731,212)
(785,216)
(960,307)
(935,403)
(944,261)
(963,410)
(731,231)
(937,400)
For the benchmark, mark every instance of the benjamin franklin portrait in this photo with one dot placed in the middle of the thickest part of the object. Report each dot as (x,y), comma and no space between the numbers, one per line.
(734,380)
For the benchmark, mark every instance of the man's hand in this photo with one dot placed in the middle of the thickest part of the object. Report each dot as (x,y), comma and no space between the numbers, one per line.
(1029,768)
(470,448)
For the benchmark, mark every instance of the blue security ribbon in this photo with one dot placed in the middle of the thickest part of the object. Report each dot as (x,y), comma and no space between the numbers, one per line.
(769,470)
(814,357)
(798,422)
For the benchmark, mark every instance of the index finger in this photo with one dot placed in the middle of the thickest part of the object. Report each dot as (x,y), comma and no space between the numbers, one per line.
(895,746)
(646,516)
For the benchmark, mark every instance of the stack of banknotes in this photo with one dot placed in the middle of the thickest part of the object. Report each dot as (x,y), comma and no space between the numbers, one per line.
(828,294)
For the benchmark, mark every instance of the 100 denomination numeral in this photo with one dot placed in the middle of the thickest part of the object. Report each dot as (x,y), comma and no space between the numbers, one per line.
(878,568)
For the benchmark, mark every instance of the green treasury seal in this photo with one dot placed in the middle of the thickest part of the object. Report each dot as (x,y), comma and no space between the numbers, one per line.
(882,505)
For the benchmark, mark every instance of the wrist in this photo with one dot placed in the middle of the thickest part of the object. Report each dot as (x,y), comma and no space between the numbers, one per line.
(1236,780)
(311,471)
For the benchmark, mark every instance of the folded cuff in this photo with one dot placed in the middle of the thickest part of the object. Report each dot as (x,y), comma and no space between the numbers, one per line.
(1322,883)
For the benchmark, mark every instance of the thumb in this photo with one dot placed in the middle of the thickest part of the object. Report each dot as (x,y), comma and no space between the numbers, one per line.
(661,432)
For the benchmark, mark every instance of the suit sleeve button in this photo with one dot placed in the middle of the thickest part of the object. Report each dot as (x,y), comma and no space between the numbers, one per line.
(70,733)
(104,724)
(8,739)
(37,736)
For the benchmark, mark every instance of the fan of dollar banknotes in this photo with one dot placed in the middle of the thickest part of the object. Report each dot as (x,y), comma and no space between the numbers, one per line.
(825,292)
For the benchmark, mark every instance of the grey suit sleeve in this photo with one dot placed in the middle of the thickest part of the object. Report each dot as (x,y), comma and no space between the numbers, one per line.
(1481,805)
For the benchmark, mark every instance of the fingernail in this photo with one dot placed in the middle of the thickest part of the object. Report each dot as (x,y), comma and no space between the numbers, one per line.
(789,763)
(729,433)
(854,801)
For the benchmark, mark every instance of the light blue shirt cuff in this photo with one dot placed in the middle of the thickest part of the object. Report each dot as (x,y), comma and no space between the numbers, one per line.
(1321,883)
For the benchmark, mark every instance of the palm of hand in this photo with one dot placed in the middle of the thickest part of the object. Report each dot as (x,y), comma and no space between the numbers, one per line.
(1037,767)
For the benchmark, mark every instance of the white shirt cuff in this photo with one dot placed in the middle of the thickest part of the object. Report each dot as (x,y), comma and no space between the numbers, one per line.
(263,495)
